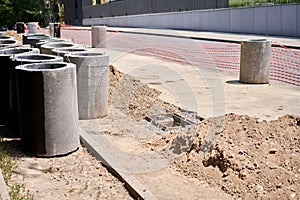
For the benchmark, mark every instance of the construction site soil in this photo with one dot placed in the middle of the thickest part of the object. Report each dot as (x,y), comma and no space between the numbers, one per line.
(245,157)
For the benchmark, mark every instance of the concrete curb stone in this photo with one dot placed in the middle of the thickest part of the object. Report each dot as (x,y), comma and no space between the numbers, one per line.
(4,195)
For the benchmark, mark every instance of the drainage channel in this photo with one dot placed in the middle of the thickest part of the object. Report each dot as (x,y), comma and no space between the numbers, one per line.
(167,122)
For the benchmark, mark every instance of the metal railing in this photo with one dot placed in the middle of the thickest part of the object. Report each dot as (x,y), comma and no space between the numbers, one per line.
(241,3)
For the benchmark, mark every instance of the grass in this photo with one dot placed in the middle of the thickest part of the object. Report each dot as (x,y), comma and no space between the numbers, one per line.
(17,192)
(7,164)
(49,170)
(240,3)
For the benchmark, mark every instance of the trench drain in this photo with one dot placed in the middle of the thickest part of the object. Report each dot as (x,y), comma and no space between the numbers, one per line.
(173,121)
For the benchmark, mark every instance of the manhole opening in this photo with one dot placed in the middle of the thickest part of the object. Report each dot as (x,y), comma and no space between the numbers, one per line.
(173,121)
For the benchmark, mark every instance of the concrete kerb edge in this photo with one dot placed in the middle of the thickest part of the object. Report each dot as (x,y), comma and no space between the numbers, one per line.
(134,187)
(4,194)
(179,36)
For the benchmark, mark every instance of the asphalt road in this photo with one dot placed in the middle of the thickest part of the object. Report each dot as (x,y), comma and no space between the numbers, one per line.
(285,62)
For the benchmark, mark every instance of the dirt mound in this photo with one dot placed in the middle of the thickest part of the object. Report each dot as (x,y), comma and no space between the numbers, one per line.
(243,156)
(249,159)
(14,34)
(133,97)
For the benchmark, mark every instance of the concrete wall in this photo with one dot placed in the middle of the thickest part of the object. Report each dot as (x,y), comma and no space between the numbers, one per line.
(73,12)
(133,7)
(273,20)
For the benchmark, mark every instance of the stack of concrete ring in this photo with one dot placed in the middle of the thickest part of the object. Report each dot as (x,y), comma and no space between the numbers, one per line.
(47,84)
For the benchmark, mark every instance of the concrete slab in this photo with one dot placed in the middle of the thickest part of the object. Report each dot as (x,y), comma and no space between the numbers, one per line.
(98,150)
(208,91)
(147,175)
(204,90)
(4,195)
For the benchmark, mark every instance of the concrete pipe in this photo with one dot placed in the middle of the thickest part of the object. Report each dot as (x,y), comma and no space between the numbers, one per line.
(48,108)
(33,27)
(25,36)
(36,39)
(35,58)
(54,29)
(20,27)
(51,29)
(47,48)
(50,40)
(6,63)
(22,59)
(6,43)
(3,37)
(63,51)
(11,46)
(255,61)
(98,36)
(92,83)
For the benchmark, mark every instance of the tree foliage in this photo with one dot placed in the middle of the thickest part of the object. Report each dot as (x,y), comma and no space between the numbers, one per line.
(5,11)
(12,11)
(237,3)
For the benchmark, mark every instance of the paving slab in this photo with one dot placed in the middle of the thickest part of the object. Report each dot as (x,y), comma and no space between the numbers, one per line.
(4,195)
(207,91)
(210,92)
(147,175)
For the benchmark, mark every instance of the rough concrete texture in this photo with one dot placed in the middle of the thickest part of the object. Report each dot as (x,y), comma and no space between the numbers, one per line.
(54,29)
(26,36)
(48,108)
(36,58)
(255,61)
(18,50)
(66,50)
(51,29)
(4,195)
(5,61)
(36,39)
(98,36)
(20,27)
(8,42)
(21,60)
(47,48)
(33,27)
(42,42)
(5,46)
(3,37)
(92,83)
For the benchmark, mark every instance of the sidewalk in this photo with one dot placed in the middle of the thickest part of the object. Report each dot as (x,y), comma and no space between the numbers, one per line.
(206,91)
(289,42)
(4,195)
(209,92)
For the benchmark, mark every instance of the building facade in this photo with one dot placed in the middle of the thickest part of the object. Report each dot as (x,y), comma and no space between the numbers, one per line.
(77,10)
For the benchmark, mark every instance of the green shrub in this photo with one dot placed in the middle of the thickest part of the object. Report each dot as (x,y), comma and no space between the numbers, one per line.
(241,3)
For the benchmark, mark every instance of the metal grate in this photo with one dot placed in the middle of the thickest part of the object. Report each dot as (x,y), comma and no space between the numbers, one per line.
(172,121)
